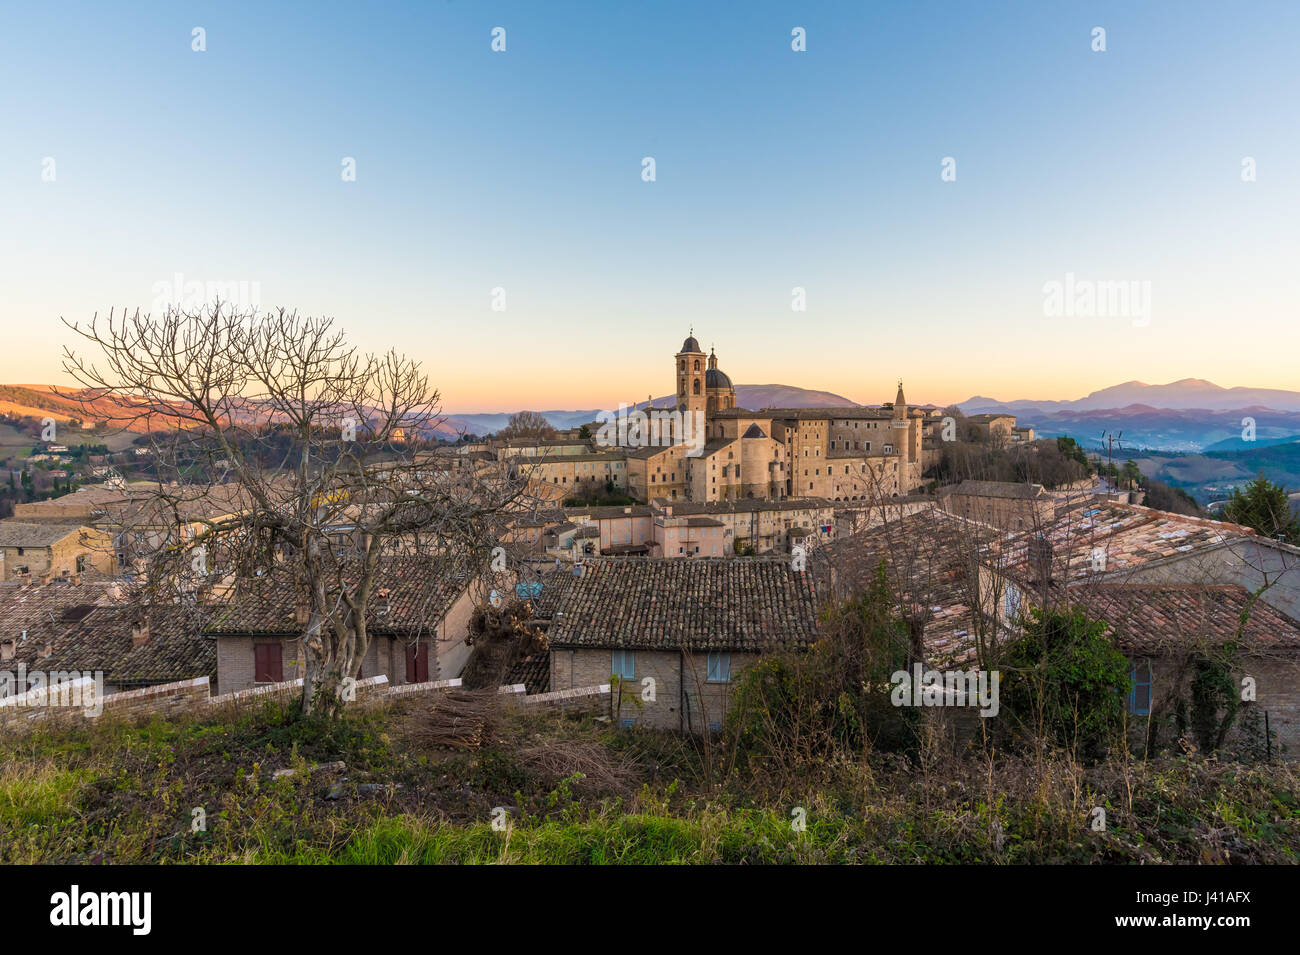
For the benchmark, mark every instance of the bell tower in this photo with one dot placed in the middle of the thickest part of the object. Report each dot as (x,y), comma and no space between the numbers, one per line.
(689,362)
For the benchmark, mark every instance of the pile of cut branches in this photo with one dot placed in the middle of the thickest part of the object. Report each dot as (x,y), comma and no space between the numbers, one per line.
(458,719)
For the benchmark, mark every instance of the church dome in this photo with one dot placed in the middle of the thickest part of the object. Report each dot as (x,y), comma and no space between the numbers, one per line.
(691,345)
(716,378)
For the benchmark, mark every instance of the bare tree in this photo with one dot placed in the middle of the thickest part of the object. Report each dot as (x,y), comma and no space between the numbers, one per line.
(527,424)
(315,449)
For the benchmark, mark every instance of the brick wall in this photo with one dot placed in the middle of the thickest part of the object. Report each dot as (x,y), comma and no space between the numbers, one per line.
(683,697)
(1277,692)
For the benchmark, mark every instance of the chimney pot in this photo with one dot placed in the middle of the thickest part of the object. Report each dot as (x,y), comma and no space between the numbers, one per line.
(139,633)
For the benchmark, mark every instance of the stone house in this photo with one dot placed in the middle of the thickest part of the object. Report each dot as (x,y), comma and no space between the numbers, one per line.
(1005,504)
(418,619)
(674,635)
(995,429)
(572,472)
(1165,629)
(40,551)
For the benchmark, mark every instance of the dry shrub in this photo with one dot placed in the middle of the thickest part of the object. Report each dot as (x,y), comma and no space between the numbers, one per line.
(603,772)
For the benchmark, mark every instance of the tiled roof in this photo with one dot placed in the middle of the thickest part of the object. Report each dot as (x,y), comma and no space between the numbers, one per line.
(19,534)
(701,603)
(609,457)
(1002,489)
(554,585)
(545,442)
(410,596)
(175,650)
(1160,619)
(650,451)
(140,503)
(533,671)
(928,571)
(44,611)
(608,511)
(1126,534)
(743,505)
(626,549)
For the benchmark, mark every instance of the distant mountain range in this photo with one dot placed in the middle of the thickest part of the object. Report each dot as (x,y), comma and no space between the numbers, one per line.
(1188,393)
(1187,415)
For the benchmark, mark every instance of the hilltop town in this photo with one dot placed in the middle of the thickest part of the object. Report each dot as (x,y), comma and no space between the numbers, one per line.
(679,545)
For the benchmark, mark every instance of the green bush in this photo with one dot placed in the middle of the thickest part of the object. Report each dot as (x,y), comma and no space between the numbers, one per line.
(833,697)
(1064,682)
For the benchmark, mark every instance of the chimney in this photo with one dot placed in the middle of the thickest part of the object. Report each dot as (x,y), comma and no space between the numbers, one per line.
(302,610)
(1040,559)
(139,632)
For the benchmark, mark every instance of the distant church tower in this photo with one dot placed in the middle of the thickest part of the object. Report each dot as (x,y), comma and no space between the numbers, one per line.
(904,433)
(691,393)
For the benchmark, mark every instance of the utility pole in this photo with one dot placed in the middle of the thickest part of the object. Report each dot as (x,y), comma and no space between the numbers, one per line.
(1110,440)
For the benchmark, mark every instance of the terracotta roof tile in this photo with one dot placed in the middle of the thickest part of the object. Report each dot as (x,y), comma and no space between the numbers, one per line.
(701,603)
(410,596)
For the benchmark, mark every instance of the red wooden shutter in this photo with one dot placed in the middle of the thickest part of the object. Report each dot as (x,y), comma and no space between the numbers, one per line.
(268,663)
(417,663)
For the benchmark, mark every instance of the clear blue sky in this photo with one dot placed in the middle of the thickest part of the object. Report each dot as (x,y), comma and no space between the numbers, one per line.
(775,169)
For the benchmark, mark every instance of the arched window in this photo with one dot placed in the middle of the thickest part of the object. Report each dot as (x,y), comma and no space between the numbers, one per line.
(697,364)
(683,364)
(697,382)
